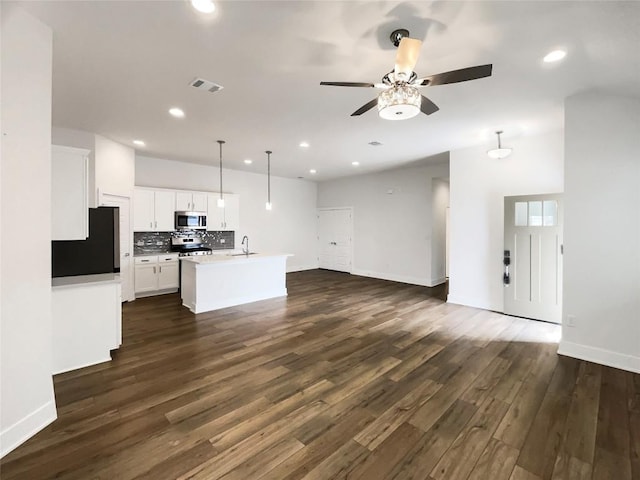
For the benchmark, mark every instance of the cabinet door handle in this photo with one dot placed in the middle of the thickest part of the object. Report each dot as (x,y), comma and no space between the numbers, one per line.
(160,267)
(156,222)
(126,254)
(150,224)
(144,261)
(154,269)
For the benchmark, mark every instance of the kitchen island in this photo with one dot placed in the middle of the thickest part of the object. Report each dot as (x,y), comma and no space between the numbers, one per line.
(211,282)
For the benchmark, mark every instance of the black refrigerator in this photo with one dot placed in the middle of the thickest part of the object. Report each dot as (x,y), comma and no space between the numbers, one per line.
(99,253)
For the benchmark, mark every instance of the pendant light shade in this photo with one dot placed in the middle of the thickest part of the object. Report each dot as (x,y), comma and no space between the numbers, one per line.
(268,205)
(499,152)
(221,199)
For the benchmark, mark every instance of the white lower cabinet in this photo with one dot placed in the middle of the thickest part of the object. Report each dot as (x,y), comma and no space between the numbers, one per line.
(156,274)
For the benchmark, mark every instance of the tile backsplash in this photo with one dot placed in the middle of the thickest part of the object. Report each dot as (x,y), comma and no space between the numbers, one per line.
(160,242)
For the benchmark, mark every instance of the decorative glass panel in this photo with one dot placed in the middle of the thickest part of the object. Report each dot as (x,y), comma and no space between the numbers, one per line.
(550,212)
(535,214)
(521,214)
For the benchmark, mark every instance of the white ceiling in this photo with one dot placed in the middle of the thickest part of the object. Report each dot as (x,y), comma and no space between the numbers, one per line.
(120,65)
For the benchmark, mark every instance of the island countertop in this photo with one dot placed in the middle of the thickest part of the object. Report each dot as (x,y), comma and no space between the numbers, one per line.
(232,258)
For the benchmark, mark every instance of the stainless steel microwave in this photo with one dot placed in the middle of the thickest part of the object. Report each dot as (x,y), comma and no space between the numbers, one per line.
(190,221)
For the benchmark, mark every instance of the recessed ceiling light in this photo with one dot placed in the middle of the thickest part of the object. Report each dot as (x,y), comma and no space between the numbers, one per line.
(176,112)
(248,162)
(304,144)
(554,56)
(313,170)
(140,143)
(355,164)
(203,6)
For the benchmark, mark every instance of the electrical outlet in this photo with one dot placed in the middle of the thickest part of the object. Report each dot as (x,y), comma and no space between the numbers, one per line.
(571,320)
(222,240)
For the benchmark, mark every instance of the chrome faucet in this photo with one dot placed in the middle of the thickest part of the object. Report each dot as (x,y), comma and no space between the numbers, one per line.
(245,250)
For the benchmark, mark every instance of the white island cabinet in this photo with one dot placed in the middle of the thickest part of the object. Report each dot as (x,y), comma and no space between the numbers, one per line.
(212,282)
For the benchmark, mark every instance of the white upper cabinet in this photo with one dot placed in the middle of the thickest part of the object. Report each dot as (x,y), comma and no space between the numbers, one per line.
(69,193)
(164,210)
(231,211)
(143,210)
(153,210)
(191,201)
(225,218)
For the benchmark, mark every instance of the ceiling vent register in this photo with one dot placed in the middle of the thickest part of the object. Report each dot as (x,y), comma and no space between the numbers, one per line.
(206,85)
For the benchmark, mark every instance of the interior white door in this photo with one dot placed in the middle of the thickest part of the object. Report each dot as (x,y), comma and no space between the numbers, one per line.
(335,227)
(126,270)
(532,260)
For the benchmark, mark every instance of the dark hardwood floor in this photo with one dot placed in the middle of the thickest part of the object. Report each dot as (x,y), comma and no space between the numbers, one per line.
(348,377)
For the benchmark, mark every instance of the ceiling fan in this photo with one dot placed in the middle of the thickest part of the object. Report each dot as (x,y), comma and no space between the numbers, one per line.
(400,98)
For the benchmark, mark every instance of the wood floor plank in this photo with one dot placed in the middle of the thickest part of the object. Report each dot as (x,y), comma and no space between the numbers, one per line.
(543,441)
(496,462)
(461,457)
(346,377)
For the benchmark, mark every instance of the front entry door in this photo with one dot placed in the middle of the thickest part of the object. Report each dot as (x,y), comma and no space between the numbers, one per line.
(334,239)
(532,260)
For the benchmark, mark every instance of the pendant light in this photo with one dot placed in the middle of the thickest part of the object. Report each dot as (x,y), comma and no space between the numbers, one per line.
(268,204)
(221,199)
(499,152)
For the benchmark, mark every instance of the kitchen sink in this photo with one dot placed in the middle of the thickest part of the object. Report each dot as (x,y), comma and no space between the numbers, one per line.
(242,254)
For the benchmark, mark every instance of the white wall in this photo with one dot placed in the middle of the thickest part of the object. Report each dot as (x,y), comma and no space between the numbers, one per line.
(440,199)
(289,228)
(602,230)
(478,186)
(26,394)
(392,232)
(114,168)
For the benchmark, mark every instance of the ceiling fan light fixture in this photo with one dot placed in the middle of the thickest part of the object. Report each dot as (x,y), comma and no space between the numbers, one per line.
(500,152)
(399,102)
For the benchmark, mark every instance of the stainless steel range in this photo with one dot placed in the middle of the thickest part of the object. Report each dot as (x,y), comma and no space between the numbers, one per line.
(188,245)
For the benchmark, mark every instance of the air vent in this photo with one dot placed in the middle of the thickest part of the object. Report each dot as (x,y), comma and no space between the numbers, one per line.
(207,85)
(375,143)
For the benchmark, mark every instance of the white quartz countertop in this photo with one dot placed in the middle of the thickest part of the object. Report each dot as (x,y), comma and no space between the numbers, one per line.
(84,280)
(230,258)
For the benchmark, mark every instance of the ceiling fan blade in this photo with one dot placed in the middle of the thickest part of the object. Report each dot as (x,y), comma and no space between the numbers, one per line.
(365,108)
(348,84)
(427,106)
(455,76)
(407,56)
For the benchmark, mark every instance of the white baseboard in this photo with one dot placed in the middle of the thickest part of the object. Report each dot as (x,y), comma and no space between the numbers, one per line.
(69,368)
(393,277)
(300,268)
(601,356)
(470,302)
(207,306)
(24,429)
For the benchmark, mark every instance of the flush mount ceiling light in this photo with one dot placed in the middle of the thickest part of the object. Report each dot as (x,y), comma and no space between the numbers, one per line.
(399,102)
(268,205)
(221,199)
(203,6)
(139,143)
(248,161)
(355,164)
(554,56)
(499,152)
(312,171)
(304,145)
(176,112)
